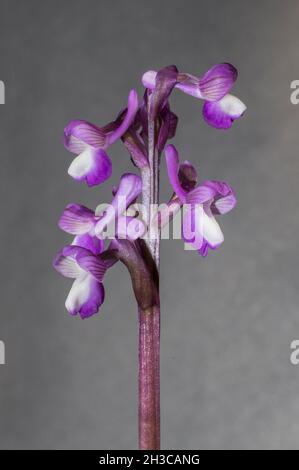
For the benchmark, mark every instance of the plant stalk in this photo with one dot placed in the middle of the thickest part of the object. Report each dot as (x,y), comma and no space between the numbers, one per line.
(149,321)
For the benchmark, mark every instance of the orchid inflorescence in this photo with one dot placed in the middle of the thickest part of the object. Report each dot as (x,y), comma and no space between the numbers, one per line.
(86,259)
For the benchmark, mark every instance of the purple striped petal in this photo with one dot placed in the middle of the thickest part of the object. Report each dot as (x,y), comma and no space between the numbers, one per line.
(67,266)
(79,134)
(189,85)
(201,194)
(172,161)
(217,81)
(85,297)
(91,243)
(76,219)
(93,265)
(221,114)
(85,260)
(92,166)
(128,119)
(130,186)
(224,199)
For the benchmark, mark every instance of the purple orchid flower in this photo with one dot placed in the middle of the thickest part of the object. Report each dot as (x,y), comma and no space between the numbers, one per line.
(202,203)
(87,292)
(220,108)
(88,227)
(89,142)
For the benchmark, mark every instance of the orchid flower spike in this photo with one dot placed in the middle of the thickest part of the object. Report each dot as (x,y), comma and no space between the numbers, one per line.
(88,227)
(210,197)
(220,108)
(89,142)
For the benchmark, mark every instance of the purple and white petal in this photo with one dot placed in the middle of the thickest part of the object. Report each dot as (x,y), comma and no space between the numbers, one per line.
(76,219)
(92,166)
(192,226)
(221,114)
(130,186)
(85,297)
(224,204)
(90,242)
(212,232)
(224,200)
(94,265)
(200,194)
(217,81)
(128,119)
(67,265)
(79,134)
(189,84)
(172,161)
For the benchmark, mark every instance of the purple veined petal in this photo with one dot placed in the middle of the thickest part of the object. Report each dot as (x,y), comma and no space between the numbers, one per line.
(67,265)
(224,204)
(79,134)
(75,251)
(189,85)
(130,228)
(128,119)
(91,243)
(217,81)
(149,79)
(73,261)
(200,194)
(85,297)
(92,166)
(172,161)
(76,219)
(187,176)
(224,200)
(92,264)
(130,186)
(221,114)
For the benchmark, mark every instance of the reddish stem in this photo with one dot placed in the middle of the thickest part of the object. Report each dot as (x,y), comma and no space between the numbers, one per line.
(149,321)
(149,379)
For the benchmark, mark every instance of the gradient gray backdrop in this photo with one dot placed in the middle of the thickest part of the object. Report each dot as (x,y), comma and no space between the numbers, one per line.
(228,320)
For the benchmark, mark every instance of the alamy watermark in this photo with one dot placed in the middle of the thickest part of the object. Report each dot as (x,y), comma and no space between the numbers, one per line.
(294,96)
(294,357)
(2,353)
(166,221)
(2,92)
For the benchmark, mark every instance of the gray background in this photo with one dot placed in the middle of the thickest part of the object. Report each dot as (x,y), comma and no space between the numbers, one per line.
(228,320)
